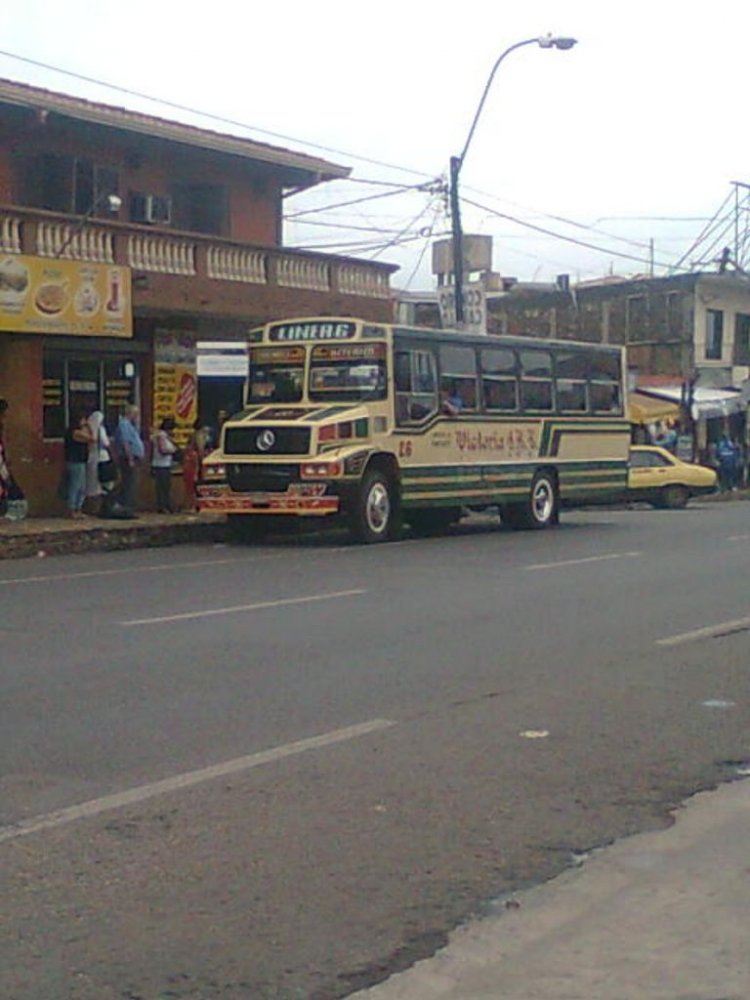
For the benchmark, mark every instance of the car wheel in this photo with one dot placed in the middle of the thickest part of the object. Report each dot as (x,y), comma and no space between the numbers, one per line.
(675,497)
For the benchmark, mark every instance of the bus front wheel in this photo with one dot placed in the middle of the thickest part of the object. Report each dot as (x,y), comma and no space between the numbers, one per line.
(374,516)
(540,509)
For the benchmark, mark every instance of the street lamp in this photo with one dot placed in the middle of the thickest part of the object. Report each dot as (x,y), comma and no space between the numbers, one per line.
(545,42)
(113,202)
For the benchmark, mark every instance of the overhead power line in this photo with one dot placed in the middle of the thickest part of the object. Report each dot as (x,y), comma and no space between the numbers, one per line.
(207,114)
(560,236)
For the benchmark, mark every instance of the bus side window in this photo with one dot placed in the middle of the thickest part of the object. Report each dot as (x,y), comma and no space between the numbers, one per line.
(416,386)
(499,368)
(458,374)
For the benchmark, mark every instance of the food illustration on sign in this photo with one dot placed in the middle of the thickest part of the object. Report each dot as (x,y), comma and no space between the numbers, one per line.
(51,298)
(86,299)
(14,281)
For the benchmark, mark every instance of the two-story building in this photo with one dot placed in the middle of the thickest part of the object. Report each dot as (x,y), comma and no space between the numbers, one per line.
(129,246)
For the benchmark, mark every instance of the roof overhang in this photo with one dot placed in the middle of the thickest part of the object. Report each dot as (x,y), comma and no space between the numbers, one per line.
(706,403)
(297,169)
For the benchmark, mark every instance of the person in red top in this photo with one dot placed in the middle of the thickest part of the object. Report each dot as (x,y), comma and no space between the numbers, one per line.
(192,464)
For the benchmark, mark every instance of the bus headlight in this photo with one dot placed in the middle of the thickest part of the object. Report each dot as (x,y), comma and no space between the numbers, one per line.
(214,472)
(320,470)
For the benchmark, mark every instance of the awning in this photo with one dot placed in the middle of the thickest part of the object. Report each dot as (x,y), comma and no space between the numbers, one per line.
(647,409)
(707,403)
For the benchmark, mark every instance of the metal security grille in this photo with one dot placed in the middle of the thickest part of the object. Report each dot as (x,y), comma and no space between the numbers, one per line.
(261,478)
(286,440)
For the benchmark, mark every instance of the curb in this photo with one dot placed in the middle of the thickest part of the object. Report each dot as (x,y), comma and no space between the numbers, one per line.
(49,542)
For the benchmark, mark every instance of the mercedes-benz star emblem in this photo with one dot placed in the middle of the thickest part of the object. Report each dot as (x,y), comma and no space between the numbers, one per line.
(265,440)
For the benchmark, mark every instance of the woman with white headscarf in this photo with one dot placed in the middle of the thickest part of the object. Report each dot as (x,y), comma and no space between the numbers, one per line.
(99,451)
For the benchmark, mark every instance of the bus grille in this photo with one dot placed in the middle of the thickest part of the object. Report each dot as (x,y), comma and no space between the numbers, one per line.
(261,478)
(285,440)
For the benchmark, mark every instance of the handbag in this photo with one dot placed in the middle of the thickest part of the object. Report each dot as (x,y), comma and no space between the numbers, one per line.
(106,472)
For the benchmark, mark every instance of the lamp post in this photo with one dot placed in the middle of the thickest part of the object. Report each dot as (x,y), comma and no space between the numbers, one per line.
(113,201)
(544,42)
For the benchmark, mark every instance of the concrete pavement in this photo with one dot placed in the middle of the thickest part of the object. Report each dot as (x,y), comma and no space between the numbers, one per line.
(657,916)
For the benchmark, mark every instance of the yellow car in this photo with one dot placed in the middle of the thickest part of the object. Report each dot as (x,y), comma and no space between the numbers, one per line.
(663,480)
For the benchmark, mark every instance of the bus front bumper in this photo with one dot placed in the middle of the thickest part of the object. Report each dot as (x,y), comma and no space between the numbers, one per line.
(303,500)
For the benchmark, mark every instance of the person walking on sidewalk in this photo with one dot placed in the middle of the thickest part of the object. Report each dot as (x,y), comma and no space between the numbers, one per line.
(163,451)
(130,454)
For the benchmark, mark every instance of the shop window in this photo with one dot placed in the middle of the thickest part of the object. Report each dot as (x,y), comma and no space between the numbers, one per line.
(53,397)
(76,383)
(714,334)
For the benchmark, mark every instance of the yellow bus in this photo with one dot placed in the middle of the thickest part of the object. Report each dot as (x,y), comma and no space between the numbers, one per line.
(387,424)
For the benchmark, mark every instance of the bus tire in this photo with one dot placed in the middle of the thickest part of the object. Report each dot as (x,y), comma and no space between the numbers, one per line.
(539,510)
(374,517)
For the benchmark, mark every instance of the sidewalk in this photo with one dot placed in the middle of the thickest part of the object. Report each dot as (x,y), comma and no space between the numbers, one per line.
(47,536)
(657,916)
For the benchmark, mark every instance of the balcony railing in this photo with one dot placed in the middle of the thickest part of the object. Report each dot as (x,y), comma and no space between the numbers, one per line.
(39,233)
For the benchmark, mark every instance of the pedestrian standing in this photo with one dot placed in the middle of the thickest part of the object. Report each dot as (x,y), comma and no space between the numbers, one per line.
(728,455)
(130,452)
(163,451)
(99,458)
(192,464)
(76,445)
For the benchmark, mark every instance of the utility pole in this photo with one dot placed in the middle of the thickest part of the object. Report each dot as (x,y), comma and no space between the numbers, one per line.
(544,42)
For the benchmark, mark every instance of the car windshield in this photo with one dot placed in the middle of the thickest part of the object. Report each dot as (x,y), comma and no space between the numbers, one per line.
(348,374)
(277,375)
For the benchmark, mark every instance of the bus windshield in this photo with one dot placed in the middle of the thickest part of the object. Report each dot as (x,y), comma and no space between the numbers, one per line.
(346,374)
(277,374)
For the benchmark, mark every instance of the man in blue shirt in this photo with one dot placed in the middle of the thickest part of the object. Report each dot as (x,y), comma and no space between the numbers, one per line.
(130,453)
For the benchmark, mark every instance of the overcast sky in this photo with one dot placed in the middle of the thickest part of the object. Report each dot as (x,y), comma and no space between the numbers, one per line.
(636,134)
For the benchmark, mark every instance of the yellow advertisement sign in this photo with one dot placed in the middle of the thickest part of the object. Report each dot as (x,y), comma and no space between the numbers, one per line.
(176,396)
(40,295)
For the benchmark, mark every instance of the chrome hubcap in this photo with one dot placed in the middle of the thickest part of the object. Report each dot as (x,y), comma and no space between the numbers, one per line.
(542,501)
(378,508)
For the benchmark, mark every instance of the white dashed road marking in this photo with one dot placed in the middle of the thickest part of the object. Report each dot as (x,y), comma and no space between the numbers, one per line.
(133,795)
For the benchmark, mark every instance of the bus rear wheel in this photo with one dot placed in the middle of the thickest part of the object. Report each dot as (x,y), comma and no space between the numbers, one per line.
(374,517)
(540,509)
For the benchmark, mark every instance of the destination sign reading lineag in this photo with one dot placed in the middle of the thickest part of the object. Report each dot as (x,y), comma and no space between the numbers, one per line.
(288,332)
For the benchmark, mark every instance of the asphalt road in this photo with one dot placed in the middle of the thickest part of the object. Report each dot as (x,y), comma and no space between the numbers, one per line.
(282,771)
